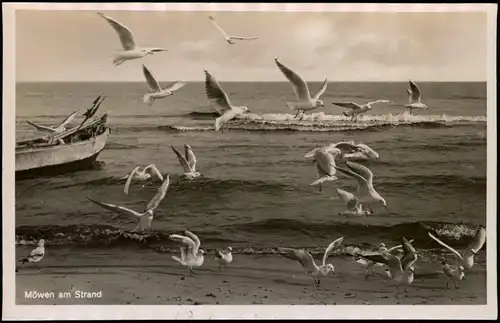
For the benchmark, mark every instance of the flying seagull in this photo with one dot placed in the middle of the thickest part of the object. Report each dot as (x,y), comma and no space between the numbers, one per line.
(304,100)
(188,162)
(227,38)
(191,254)
(142,175)
(130,49)
(415,98)
(155,90)
(357,109)
(57,129)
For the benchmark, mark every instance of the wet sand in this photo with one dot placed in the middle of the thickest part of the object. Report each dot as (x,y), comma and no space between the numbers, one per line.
(156,279)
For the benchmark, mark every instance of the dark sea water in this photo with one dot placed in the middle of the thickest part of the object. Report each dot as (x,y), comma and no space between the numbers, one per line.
(255,194)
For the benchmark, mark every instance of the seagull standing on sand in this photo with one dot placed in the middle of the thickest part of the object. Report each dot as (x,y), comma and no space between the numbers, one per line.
(57,129)
(400,270)
(193,256)
(453,272)
(229,39)
(146,217)
(357,109)
(130,49)
(155,90)
(219,99)
(36,254)
(307,260)
(415,96)
(304,100)
(224,257)
(324,158)
(350,151)
(364,179)
(467,259)
(145,174)
(188,162)
(353,208)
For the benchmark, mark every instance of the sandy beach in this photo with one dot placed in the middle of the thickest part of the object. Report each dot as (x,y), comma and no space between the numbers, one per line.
(251,279)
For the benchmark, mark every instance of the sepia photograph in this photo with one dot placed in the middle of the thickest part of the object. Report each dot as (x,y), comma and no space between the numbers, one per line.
(201,155)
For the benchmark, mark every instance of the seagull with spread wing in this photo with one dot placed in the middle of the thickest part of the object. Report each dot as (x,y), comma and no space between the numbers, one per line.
(350,151)
(155,90)
(57,129)
(368,264)
(415,96)
(36,254)
(307,260)
(366,194)
(146,217)
(139,174)
(130,49)
(229,39)
(357,109)
(305,102)
(188,162)
(400,270)
(324,159)
(191,254)
(467,258)
(220,100)
(353,207)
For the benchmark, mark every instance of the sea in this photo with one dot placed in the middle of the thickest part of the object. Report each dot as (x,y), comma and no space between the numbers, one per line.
(254,193)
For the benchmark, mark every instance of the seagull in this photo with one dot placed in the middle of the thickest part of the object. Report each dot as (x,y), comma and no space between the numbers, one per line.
(142,175)
(307,260)
(193,256)
(467,259)
(229,39)
(305,101)
(146,217)
(400,270)
(415,97)
(130,49)
(216,95)
(57,129)
(353,208)
(155,90)
(357,109)
(36,254)
(324,158)
(224,257)
(350,151)
(188,162)
(453,272)
(364,179)
(368,264)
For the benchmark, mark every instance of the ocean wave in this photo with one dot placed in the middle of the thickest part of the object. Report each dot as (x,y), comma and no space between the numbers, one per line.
(355,235)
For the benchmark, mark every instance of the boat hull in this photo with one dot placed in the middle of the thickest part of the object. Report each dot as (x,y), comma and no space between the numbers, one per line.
(60,159)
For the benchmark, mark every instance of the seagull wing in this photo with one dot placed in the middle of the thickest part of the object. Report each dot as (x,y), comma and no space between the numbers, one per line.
(216,94)
(175,86)
(349,199)
(361,170)
(212,19)
(348,105)
(195,238)
(445,245)
(414,92)
(42,128)
(311,153)
(377,101)
(398,246)
(302,256)
(325,162)
(182,160)
(154,171)
(243,38)
(129,179)
(116,208)
(126,36)
(409,255)
(299,85)
(227,116)
(37,252)
(160,195)
(332,246)
(190,157)
(377,257)
(153,85)
(478,241)
(347,147)
(68,119)
(361,181)
(184,240)
(321,90)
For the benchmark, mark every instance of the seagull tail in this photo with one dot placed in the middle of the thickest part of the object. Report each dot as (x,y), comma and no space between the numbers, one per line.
(178,260)
(218,123)
(147,98)
(291,105)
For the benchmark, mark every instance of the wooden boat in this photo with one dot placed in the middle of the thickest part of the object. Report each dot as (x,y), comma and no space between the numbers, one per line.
(71,150)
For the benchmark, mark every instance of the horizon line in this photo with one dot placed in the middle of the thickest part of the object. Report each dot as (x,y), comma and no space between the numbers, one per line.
(258,81)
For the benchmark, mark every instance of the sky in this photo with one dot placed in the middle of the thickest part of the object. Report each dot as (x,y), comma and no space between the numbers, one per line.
(342,46)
